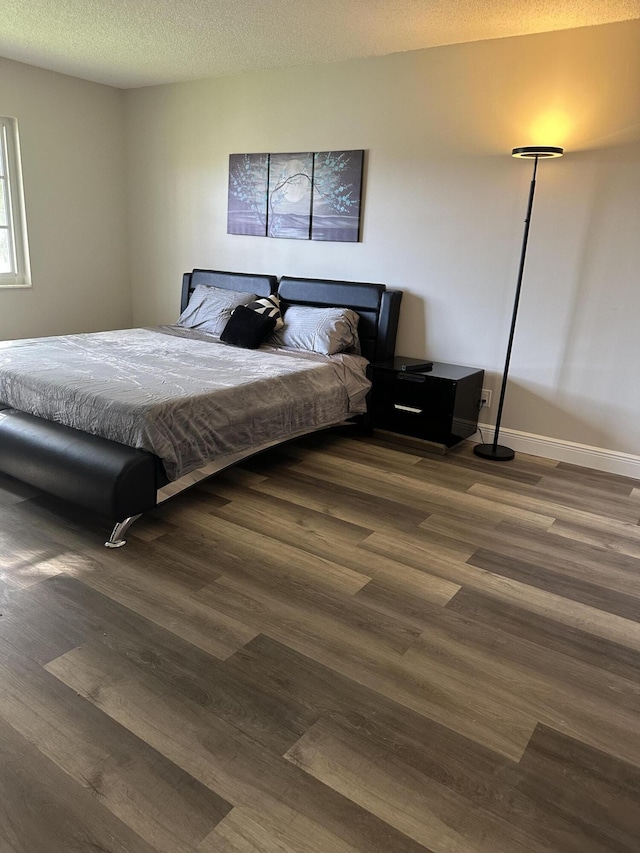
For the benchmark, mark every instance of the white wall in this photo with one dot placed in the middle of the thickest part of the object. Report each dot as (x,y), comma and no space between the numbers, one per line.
(73,158)
(443,207)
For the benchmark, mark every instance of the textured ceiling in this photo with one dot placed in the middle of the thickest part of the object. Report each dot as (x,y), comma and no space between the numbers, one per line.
(130,43)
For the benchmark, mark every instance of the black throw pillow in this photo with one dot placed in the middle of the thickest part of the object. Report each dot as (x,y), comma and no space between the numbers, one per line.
(246,328)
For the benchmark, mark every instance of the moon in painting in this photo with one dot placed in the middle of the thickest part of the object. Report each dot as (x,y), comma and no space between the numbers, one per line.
(296,183)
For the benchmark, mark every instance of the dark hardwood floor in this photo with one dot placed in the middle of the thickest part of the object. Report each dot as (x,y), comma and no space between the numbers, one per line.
(338,647)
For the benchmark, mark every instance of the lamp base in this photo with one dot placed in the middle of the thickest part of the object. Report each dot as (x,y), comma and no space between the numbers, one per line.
(498,452)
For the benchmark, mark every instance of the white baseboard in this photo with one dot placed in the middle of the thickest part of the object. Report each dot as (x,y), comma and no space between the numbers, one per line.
(611,461)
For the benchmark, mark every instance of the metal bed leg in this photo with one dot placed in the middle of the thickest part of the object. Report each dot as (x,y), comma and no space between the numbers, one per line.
(116,540)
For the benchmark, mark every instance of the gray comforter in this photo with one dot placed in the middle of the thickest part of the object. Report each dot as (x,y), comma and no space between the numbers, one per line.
(178,393)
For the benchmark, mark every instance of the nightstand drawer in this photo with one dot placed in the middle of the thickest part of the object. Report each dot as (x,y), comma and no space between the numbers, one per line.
(413,407)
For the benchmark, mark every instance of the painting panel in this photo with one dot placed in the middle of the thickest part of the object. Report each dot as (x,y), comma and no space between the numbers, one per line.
(337,193)
(290,182)
(247,198)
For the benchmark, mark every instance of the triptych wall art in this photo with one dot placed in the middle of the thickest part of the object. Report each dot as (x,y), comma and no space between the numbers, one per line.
(311,196)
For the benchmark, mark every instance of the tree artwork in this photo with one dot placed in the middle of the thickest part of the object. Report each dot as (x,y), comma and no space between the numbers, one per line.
(300,196)
(247,205)
(337,187)
(290,185)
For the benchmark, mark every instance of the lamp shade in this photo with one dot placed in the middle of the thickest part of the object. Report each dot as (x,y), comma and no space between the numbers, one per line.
(531,151)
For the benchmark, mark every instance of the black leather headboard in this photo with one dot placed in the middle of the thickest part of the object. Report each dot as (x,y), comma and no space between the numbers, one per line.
(377,307)
(262,285)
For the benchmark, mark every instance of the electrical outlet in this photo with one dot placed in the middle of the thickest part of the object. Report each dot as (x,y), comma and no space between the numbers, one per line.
(485,399)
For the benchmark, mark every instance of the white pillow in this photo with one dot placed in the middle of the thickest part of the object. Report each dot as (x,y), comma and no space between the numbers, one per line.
(209,308)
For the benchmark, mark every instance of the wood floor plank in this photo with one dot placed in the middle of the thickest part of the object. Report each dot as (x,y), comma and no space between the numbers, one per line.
(401,796)
(364,509)
(525,468)
(375,664)
(591,495)
(430,746)
(166,603)
(28,623)
(535,575)
(384,458)
(339,646)
(163,559)
(469,533)
(559,769)
(26,558)
(497,614)
(406,597)
(531,502)
(523,465)
(268,717)
(448,760)
(594,493)
(573,613)
(569,559)
(603,480)
(594,705)
(236,767)
(248,831)
(43,811)
(615,542)
(282,521)
(235,545)
(155,798)
(461,477)
(313,618)
(306,520)
(418,491)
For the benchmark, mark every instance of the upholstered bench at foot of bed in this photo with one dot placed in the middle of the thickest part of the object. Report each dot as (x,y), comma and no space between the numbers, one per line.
(105,477)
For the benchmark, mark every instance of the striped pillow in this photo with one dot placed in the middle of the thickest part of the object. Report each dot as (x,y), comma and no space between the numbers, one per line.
(209,308)
(323,330)
(270,307)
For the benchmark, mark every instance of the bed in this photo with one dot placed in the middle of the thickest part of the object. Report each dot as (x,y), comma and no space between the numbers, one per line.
(93,419)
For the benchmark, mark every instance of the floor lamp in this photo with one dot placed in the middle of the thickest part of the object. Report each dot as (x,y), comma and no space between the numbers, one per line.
(495,451)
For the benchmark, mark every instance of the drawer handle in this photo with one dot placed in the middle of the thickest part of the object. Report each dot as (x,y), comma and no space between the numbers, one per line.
(407,376)
(411,409)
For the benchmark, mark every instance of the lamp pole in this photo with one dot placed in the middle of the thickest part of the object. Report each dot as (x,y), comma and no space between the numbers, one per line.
(494,451)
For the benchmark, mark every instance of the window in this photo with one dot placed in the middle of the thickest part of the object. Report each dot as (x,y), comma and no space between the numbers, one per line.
(14,251)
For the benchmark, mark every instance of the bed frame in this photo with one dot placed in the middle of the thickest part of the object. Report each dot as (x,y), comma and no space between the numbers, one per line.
(122,482)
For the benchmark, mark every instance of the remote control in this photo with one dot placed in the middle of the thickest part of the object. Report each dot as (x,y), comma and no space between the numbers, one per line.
(418,367)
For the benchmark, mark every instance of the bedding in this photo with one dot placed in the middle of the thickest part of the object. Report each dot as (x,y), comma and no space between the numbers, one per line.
(179,393)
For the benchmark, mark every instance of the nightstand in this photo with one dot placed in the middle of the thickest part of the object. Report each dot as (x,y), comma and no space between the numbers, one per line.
(439,406)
